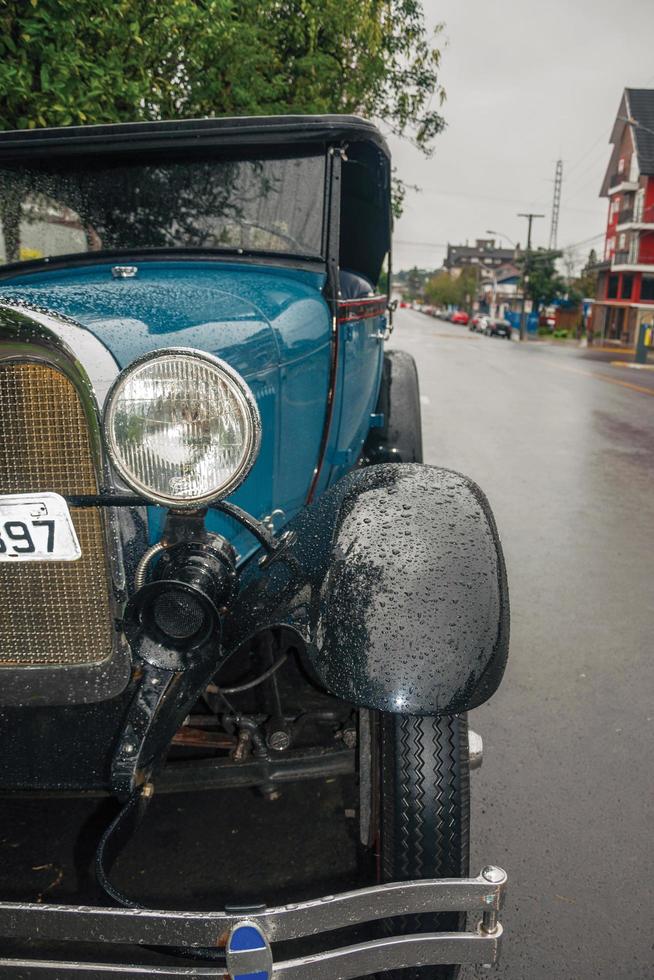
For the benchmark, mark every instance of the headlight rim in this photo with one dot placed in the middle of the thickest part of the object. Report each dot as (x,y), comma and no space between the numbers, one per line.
(251,414)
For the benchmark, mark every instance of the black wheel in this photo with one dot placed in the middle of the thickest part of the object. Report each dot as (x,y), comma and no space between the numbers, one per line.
(415,810)
(400,438)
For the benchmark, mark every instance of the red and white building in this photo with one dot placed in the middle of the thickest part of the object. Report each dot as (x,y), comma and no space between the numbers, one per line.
(625,294)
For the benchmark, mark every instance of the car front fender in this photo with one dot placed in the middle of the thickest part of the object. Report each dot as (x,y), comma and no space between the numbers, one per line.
(397,586)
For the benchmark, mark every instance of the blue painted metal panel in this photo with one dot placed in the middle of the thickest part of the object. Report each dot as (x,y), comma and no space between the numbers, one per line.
(513,316)
(271,324)
(246,937)
(360,368)
(253,317)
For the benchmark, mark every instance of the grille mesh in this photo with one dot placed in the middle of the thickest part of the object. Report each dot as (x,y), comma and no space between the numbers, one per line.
(51,613)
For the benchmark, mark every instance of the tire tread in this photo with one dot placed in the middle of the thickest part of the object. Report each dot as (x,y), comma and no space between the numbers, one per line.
(424,815)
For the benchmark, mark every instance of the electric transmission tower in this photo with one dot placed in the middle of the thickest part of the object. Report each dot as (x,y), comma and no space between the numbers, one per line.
(556,203)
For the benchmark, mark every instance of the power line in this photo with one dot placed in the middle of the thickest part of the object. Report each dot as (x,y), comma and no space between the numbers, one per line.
(476,197)
(585,241)
(604,136)
(585,177)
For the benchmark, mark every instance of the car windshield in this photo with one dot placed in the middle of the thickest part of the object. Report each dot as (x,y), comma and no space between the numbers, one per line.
(91,205)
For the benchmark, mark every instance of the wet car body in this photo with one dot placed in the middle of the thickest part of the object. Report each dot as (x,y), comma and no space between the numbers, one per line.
(249,252)
(496,327)
(476,323)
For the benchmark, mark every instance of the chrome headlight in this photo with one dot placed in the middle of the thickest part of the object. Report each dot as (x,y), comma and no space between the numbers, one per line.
(182,427)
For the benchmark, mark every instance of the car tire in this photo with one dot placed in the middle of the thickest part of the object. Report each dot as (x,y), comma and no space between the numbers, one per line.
(419,812)
(399,440)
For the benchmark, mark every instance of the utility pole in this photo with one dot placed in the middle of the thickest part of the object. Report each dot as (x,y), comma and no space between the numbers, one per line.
(525,273)
(556,203)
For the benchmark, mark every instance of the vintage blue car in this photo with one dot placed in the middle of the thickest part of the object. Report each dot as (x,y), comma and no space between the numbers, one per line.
(222,560)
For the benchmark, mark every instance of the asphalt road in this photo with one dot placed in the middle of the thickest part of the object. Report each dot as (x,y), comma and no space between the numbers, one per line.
(563,444)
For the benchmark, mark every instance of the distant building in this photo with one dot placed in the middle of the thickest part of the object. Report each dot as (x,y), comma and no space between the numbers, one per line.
(483,255)
(625,292)
(499,289)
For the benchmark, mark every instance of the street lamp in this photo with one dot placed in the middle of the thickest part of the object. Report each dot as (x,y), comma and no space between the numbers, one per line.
(500,234)
(630,121)
(489,231)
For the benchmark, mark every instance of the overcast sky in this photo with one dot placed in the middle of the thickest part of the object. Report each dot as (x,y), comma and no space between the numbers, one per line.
(528,82)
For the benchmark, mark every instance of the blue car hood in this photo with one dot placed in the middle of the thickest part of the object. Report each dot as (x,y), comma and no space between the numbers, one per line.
(254,317)
(271,324)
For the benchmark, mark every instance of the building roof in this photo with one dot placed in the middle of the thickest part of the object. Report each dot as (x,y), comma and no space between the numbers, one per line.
(506,273)
(640,102)
(636,111)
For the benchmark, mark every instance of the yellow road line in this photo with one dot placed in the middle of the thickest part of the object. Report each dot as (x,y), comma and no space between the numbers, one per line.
(631,366)
(602,377)
(612,350)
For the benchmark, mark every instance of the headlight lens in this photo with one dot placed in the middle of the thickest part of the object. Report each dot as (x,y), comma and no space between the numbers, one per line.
(182,427)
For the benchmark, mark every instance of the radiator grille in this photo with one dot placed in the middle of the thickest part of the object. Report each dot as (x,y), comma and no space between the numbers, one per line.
(51,613)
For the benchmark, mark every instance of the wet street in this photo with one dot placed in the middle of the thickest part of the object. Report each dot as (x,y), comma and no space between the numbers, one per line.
(563,444)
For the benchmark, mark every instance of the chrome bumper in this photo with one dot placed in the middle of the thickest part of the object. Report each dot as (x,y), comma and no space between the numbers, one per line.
(244,941)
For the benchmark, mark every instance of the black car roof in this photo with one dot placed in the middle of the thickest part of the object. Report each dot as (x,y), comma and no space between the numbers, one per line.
(265,131)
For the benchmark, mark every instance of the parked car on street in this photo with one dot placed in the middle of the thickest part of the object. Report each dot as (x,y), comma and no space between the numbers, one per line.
(460,317)
(477,322)
(223,561)
(495,327)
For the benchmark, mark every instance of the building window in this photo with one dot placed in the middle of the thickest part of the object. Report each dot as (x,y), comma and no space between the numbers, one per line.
(621,165)
(621,240)
(627,286)
(638,207)
(647,287)
(633,249)
(612,288)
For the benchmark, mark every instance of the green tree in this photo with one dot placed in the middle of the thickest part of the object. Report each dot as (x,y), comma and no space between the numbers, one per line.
(542,282)
(415,285)
(68,62)
(586,284)
(440,289)
(444,289)
(467,285)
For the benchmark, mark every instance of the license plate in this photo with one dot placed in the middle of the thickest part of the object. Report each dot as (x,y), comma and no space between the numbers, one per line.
(37,527)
